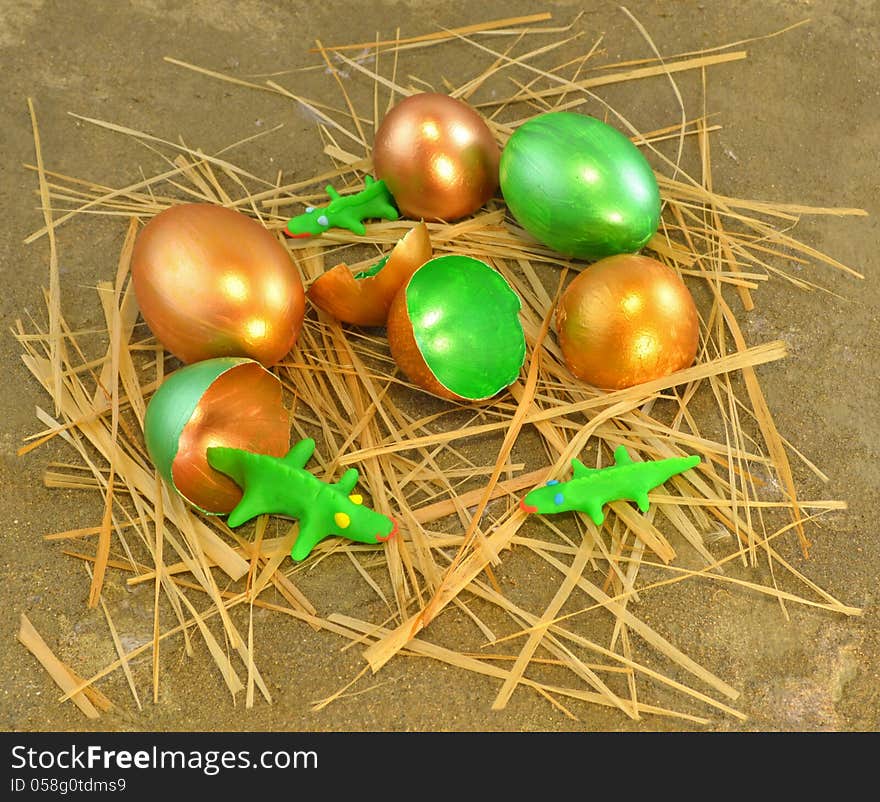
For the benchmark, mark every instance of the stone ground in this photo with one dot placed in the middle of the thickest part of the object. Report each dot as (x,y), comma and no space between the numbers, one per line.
(799,124)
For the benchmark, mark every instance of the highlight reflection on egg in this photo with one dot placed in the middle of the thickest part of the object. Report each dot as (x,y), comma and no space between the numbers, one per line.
(229,401)
(212,282)
(437,157)
(625,320)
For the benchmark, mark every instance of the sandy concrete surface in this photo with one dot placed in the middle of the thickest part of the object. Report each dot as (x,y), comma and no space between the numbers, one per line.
(800,124)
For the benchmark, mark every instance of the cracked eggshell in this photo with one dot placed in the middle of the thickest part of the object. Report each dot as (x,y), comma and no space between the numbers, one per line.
(364,299)
(226,401)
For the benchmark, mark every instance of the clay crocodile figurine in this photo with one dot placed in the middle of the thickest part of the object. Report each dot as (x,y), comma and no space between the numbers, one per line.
(345,211)
(282,486)
(591,488)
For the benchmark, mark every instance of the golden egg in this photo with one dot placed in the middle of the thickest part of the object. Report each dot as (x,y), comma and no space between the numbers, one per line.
(625,320)
(212,282)
(437,157)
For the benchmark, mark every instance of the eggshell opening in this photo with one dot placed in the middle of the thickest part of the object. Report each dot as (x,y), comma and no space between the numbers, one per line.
(219,402)
(455,330)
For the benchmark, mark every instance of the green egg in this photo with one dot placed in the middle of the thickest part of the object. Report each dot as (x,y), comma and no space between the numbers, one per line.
(579,186)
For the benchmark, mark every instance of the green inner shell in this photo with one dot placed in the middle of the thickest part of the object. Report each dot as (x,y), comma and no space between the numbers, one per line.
(579,186)
(465,319)
(374,270)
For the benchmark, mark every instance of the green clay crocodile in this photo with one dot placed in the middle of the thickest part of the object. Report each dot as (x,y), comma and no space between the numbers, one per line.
(282,486)
(345,211)
(591,488)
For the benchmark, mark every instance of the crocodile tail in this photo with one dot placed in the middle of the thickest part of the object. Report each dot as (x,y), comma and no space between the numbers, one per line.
(689,462)
(230,461)
(234,463)
(676,465)
(651,474)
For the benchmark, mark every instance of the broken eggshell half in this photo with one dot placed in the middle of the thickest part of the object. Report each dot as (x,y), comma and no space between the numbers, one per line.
(364,299)
(226,401)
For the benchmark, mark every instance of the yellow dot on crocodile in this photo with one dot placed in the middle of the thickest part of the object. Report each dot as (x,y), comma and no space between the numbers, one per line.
(356,498)
(342,520)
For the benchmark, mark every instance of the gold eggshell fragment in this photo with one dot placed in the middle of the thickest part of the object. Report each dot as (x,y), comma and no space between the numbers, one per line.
(437,157)
(625,320)
(364,299)
(212,282)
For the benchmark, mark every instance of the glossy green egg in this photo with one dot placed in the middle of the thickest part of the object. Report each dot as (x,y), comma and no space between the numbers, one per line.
(579,186)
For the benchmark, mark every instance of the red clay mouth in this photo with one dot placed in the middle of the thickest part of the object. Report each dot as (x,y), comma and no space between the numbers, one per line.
(391,534)
(526,507)
(296,236)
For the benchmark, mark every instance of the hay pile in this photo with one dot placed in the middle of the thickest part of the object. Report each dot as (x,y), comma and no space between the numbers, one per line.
(452,475)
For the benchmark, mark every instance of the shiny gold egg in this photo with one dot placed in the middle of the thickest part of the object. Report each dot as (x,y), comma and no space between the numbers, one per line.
(626,320)
(437,157)
(212,282)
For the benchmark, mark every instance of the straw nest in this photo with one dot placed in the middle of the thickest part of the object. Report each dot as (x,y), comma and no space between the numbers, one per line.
(451,474)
